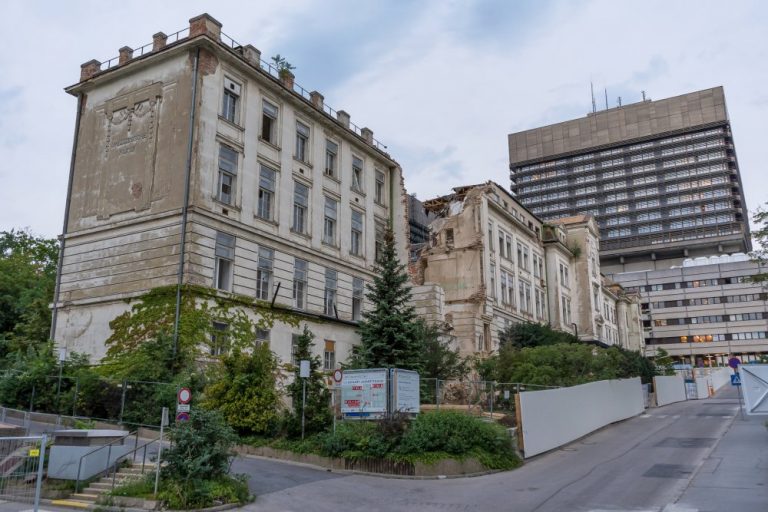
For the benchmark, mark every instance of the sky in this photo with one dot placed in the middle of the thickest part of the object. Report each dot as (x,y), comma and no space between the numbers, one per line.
(440,82)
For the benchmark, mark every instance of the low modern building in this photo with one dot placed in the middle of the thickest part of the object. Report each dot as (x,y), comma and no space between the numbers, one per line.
(197,162)
(703,310)
(490,263)
(661,177)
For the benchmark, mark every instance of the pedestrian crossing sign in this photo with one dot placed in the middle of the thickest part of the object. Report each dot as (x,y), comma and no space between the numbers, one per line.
(736,379)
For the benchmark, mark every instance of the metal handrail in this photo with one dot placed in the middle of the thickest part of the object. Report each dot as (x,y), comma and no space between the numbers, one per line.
(113,470)
(109,454)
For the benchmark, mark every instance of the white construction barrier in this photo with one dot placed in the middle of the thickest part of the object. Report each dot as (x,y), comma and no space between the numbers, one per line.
(702,388)
(754,385)
(669,389)
(720,377)
(554,417)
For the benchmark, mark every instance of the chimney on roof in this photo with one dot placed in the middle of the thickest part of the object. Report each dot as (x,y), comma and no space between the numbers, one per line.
(205,24)
(88,69)
(317,99)
(126,54)
(343,118)
(158,41)
(252,55)
(367,134)
(287,78)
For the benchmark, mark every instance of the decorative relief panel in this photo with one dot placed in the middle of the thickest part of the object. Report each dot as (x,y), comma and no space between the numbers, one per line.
(129,151)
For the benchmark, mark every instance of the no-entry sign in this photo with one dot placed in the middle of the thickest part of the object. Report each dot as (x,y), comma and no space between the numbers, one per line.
(185,395)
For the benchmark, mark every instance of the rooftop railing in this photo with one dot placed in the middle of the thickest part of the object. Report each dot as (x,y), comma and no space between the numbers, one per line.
(265,66)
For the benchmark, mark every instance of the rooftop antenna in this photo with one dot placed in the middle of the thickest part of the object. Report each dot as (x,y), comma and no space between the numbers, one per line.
(592,91)
(606,98)
(643,93)
(619,100)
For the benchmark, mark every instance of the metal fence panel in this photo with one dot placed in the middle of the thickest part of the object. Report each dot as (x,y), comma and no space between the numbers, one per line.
(21,468)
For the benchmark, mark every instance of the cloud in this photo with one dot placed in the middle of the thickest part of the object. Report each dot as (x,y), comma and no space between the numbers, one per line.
(440,82)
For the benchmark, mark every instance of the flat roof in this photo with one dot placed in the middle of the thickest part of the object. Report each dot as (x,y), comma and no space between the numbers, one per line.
(645,119)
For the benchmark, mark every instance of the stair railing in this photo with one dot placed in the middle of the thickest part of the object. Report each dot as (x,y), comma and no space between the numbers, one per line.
(108,447)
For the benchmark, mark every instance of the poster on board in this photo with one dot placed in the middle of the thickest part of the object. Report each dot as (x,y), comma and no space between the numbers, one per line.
(405,387)
(364,394)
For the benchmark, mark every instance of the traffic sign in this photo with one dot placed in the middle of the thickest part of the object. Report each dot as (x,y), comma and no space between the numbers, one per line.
(338,374)
(184,395)
(182,408)
(734,362)
(736,379)
(182,416)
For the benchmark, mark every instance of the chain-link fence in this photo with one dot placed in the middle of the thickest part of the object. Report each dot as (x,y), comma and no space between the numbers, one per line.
(21,468)
(494,400)
(132,403)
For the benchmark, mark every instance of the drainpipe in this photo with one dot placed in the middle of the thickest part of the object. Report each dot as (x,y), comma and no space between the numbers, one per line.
(60,263)
(185,206)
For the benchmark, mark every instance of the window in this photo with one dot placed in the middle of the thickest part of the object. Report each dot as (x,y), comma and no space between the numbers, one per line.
(490,236)
(300,207)
(564,279)
(329,225)
(329,295)
(227,174)
(294,348)
(379,242)
(225,256)
(219,339)
(230,108)
(538,267)
(539,297)
(329,355)
(507,289)
(523,253)
(266,201)
(264,273)
(492,280)
(269,123)
(508,246)
(262,336)
(331,158)
(357,174)
(302,141)
(565,303)
(357,298)
(449,239)
(300,284)
(356,235)
(502,252)
(525,296)
(379,194)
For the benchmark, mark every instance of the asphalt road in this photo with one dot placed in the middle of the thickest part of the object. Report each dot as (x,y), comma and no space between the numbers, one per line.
(648,463)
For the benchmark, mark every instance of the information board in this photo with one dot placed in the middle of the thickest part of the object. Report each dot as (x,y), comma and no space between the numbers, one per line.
(364,393)
(406,390)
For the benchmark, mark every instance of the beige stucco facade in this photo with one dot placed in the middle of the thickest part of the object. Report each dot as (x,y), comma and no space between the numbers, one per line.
(267,206)
(491,263)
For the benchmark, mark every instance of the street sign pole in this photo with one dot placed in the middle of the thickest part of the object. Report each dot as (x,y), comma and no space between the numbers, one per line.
(741,402)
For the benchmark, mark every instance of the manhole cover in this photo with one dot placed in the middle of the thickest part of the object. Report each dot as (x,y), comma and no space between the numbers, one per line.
(686,442)
(669,471)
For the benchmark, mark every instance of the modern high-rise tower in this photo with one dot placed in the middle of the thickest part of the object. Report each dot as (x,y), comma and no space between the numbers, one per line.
(661,177)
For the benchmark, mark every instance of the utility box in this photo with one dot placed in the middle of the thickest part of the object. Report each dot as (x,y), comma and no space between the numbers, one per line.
(98,449)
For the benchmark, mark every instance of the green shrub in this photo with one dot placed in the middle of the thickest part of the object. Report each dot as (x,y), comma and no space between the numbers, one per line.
(454,433)
(142,488)
(355,440)
(177,495)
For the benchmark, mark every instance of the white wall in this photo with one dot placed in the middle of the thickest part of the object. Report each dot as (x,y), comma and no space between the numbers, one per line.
(554,417)
(669,389)
(720,377)
(702,387)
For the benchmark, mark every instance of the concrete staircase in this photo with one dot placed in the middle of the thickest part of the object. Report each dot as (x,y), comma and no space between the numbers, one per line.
(87,498)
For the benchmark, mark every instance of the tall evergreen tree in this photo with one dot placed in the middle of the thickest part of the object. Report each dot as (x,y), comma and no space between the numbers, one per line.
(317,412)
(389,332)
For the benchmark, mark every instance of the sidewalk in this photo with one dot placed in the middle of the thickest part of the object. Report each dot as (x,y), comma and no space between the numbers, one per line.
(735,475)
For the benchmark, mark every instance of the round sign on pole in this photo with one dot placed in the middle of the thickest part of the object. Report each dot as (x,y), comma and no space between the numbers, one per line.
(338,375)
(734,362)
(182,416)
(185,395)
